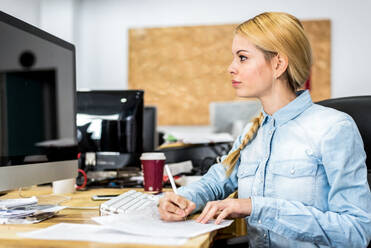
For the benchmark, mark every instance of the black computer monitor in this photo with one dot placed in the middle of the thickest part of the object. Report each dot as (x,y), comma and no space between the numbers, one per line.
(150,135)
(37,106)
(111,122)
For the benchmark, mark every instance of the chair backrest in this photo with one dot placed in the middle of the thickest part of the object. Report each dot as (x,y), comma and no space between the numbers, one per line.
(359,108)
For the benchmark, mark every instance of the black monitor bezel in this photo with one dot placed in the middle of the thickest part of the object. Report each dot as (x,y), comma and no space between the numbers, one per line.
(19,24)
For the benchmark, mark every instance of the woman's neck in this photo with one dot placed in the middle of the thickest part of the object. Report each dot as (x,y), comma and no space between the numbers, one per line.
(276,99)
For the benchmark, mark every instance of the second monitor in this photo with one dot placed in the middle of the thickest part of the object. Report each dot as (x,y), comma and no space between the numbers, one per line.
(110,123)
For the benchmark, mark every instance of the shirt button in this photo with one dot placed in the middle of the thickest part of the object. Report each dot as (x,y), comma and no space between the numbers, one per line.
(309,152)
(259,221)
(292,172)
(265,235)
(270,132)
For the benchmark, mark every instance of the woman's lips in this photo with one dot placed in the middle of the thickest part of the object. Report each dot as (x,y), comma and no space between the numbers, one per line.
(235,83)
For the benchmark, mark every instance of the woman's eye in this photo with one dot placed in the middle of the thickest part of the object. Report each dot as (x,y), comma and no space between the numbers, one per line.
(242,58)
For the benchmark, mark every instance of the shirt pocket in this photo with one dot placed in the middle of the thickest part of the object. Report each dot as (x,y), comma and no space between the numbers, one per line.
(295,180)
(246,176)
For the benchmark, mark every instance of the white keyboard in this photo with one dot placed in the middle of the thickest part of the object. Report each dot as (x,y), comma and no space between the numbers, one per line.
(131,201)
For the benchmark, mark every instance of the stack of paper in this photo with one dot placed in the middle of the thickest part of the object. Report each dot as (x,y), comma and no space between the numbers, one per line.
(18,202)
(25,211)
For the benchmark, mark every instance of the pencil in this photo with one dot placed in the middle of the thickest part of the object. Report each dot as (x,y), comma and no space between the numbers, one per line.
(172,182)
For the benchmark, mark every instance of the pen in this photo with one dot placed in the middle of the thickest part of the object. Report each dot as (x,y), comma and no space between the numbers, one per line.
(171,181)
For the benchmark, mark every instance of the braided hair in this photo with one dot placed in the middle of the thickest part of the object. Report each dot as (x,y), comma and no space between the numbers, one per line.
(230,161)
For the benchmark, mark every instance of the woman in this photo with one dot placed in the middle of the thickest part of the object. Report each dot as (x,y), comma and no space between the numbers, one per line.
(299,167)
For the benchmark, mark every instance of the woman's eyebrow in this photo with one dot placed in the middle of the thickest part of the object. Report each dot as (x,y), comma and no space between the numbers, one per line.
(242,51)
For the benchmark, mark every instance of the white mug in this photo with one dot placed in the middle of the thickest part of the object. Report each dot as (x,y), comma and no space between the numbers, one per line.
(66,186)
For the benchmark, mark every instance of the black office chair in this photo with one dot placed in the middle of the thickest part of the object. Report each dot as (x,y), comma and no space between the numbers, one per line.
(359,108)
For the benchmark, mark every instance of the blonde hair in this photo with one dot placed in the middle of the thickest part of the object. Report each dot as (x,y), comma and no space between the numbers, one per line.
(275,33)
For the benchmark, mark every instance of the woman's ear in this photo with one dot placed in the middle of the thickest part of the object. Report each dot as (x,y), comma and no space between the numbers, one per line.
(279,65)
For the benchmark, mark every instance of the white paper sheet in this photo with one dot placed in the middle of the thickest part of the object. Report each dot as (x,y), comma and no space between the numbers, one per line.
(96,233)
(149,224)
(18,202)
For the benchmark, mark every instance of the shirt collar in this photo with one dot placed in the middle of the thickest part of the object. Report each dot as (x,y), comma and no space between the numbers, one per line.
(291,110)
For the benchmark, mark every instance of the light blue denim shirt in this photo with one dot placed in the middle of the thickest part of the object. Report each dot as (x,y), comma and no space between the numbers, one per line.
(306,175)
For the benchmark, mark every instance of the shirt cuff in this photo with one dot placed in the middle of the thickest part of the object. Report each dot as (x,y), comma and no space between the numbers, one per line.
(264,212)
(182,191)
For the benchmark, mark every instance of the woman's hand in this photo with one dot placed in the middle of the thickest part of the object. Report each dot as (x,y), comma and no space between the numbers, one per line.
(174,207)
(232,208)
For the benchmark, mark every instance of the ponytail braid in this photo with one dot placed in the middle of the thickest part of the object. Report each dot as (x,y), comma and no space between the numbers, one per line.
(230,161)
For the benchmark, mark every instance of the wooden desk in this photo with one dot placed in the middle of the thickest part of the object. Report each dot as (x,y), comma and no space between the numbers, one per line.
(8,233)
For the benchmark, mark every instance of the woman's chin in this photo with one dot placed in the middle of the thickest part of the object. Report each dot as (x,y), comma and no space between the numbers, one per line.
(244,94)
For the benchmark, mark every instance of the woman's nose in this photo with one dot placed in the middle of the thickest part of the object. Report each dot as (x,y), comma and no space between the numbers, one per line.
(231,69)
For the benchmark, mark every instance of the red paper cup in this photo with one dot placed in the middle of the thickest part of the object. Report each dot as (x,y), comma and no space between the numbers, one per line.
(153,170)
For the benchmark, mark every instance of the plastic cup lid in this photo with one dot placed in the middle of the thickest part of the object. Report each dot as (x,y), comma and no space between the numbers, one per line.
(153,156)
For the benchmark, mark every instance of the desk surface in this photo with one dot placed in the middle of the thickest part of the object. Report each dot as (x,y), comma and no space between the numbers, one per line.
(8,233)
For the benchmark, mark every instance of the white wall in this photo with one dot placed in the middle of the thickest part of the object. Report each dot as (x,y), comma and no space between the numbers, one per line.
(102,42)
(100,31)
(54,16)
(58,17)
(26,10)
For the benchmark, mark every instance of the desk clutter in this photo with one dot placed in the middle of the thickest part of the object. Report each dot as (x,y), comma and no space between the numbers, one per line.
(26,211)
(133,177)
(136,223)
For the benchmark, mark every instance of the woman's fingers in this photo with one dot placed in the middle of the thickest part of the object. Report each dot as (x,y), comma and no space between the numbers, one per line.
(167,216)
(211,209)
(184,204)
(180,201)
(191,206)
(224,214)
(169,212)
(173,207)
(216,209)
(235,208)
(204,211)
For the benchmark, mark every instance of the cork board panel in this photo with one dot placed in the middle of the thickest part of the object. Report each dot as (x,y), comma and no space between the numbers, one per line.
(319,35)
(183,69)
